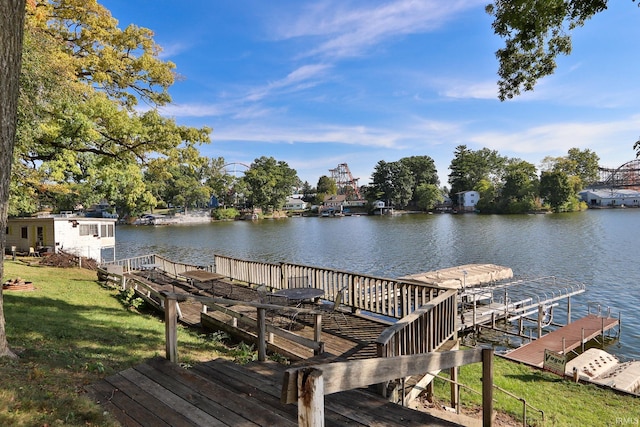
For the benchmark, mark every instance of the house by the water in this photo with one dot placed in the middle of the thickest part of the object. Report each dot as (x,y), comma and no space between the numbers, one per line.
(88,237)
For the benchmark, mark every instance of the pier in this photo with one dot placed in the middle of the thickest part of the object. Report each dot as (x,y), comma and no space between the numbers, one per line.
(352,318)
(564,340)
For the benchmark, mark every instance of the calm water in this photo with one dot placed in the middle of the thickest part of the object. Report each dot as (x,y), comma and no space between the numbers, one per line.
(598,248)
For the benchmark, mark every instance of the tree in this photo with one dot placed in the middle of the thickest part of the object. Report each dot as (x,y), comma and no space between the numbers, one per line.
(582,164)
(428,196)
(81,79)
(326,187)
(535,33)
(12,14)
(424,171)
(269,183)
(520,187)
(392,182)
(555,189)
(469,167)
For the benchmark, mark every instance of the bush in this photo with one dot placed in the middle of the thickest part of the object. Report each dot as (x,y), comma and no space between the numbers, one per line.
(225,213)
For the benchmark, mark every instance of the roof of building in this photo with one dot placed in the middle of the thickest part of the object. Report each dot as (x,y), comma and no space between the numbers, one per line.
(613,193)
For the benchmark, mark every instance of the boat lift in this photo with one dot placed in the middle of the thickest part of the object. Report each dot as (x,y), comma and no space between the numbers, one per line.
(516,300)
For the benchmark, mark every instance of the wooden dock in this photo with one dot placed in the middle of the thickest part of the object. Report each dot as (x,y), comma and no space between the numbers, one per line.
(563,340)
(222,393)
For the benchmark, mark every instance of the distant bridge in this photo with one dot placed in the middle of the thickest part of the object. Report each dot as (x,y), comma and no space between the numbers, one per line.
(625,176)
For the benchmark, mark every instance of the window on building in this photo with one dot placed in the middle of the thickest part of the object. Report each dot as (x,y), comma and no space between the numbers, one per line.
(106,230)
(40,236)
(88,229)
(25,234)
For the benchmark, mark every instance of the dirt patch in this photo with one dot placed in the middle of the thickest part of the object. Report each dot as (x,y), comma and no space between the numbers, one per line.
(469,415)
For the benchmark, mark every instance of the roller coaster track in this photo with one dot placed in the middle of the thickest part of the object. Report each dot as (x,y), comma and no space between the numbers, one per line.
(625,176)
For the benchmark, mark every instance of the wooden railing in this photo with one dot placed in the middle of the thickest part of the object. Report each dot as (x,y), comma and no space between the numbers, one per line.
(170,267)
(168,303)
(307,386)
(171,314)
(387,297)
(422,331)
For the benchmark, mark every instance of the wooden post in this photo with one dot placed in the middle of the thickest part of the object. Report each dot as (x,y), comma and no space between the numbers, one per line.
(262,338)
(317,330)
(487,387)
(123,282)
(568,310)
(171,327)
(310,398)
(455,389)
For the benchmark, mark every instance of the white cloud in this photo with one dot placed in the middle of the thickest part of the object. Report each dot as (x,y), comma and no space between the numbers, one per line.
(346,32)
(605,138)
(302,78)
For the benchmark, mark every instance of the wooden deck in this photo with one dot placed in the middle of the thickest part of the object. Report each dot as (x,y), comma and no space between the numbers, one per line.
(222,393)
(572,335)
(345,335)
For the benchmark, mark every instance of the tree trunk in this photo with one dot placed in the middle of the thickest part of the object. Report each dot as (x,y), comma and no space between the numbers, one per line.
(11,29)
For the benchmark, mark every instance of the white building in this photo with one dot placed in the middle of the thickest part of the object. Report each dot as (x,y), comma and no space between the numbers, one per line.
(87,237)
(295,204)
(467,200)
(611,197)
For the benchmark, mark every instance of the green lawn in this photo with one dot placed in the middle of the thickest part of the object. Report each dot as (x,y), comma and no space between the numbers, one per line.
(71,331)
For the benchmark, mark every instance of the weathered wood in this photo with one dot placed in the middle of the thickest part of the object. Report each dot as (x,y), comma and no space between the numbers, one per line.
(341,376)
(487,387)
(171,329)
(310,398)
(262,332)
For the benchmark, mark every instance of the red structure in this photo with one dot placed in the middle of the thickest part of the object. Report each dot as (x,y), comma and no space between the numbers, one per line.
(347,184)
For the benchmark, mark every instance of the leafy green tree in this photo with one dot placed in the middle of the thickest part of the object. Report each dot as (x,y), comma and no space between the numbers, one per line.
(520,187)
(469,167)
(581,164)
(308,192)
(392,182)
(326,187)
(424,171)
(428,196)
(220,182)
(269,183)
(81,80)
(488,195)
(555,189)
(535,33)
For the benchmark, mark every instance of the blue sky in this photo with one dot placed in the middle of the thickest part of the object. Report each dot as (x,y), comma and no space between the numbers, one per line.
(320,83)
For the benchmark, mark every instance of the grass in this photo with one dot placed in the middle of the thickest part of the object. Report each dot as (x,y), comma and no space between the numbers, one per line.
(71,332)
(564,403)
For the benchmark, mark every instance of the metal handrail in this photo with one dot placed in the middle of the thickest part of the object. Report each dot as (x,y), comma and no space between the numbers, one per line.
(508,393)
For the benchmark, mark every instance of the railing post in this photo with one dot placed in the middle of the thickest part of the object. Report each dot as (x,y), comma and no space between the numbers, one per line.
(317,330)
(171,327)
(487,387)
(310,398)
(262,339)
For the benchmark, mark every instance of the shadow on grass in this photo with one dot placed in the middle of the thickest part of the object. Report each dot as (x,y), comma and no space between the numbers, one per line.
(61,334)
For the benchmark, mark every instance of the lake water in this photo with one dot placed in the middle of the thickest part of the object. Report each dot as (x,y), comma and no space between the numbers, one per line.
(597,247)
